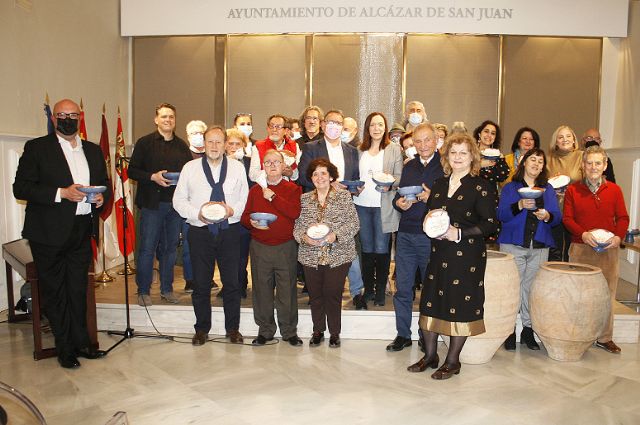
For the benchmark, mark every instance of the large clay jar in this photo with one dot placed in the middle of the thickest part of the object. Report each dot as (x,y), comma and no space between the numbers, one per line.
(501,305)
(569,305)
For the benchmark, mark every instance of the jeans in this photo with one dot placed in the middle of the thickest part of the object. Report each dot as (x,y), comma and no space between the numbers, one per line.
(187,269)
(162,223)
(528,261)
(355,278)
(412,253)
(373,239)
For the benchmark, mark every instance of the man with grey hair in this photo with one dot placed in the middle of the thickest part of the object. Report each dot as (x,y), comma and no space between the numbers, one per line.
(211,182)
(415,114)
(350,132)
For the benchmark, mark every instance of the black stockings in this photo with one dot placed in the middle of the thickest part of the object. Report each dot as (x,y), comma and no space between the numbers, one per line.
(430,342)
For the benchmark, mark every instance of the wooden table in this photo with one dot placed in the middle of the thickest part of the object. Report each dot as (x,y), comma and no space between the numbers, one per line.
(17,256)
(635,246)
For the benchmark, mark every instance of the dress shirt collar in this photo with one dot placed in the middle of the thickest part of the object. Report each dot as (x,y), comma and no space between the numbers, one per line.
(65,143)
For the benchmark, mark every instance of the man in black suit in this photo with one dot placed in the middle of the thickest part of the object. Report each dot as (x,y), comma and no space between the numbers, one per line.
(342,155)
(59,225)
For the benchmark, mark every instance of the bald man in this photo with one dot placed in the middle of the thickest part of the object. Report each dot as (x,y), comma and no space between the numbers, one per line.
(592,137)
(59,224)
(350,132)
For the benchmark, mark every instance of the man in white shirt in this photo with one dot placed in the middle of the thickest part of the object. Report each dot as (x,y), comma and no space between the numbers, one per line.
(213,178)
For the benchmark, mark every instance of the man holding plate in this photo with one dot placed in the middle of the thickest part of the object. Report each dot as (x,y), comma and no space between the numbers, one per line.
(412,245)
(270,215)
(211,195)
(59,223)
(596,216)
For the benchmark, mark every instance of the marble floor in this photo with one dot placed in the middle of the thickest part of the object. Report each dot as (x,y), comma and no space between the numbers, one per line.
(172,382)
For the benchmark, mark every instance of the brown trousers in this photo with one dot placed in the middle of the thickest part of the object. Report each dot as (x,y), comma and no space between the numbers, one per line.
(325,285)
(608,262)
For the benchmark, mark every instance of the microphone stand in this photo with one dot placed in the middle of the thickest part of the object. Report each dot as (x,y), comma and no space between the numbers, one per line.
(128,332)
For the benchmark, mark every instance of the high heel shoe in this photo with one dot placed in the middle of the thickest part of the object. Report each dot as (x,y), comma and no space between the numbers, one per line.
(446,371)
(423,364)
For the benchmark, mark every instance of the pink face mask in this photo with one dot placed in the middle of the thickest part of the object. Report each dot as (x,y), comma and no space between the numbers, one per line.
(332,130)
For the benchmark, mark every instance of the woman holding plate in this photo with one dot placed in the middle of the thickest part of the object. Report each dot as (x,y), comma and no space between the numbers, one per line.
(528,209)
(453,293)
(325,230)
(378,219)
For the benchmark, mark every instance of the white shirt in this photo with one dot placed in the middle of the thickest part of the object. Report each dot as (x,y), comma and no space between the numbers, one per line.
(426,161)
(369,165)
(255,168)
(193,190)
(336,157)
(79,168)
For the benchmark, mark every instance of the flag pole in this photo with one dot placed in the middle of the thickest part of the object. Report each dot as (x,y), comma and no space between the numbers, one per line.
(103,277)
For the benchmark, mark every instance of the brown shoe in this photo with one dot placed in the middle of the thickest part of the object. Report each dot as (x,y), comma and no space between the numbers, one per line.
(235,337)
(199,338)
(446,371)
(610,346)
(422,364)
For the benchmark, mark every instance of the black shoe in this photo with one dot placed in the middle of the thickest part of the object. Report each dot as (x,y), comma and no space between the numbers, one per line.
(423,364)
(378,303)
(68,361)
(316,339)
(369,296)
(334,341)
(399,344)
(188,287)
(360,302)
(526,337)
(510,342)
(261,340)
(90,353)
(293,340)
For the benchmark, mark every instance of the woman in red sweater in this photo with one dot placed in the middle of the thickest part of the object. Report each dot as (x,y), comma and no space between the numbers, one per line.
(274,252)
(595,203)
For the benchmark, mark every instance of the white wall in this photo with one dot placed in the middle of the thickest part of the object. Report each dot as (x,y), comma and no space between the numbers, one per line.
(68,48)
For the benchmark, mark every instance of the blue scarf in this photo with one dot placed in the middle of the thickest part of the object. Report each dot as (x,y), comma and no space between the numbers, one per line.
(217,194)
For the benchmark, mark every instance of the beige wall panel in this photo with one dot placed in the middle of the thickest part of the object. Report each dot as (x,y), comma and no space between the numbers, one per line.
(266,75)
(456,77)
(549,82)
(358,74)
(178,70)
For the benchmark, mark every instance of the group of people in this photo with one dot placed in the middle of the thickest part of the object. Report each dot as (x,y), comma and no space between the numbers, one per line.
(318,176)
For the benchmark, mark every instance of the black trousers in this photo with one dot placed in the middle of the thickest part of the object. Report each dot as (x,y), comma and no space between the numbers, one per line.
(205,250)
(63,278)
(325,286)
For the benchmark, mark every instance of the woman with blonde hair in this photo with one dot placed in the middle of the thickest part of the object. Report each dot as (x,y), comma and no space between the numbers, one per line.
(453,293)
(564,158)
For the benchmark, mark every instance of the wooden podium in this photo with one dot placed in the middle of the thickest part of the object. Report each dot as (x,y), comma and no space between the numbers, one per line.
(17,256)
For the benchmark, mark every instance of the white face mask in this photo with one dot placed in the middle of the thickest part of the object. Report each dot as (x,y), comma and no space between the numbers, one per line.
(246,129)
(296,135)
(439,144)
(411,152)
(196,140)
(345,136)
(239,154)
(415,118)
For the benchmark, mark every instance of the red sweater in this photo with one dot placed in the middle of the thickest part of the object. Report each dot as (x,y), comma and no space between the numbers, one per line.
(285,204)
(584,211)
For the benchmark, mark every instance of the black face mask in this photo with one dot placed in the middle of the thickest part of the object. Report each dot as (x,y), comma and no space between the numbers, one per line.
(67,126)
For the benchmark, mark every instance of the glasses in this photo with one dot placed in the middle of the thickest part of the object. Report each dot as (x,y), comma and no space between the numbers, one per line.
(72,115)
(338,123)
(276,126)
(312,118)
(275,163)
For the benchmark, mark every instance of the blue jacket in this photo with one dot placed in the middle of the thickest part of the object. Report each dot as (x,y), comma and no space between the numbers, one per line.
(513,225)
(415,174)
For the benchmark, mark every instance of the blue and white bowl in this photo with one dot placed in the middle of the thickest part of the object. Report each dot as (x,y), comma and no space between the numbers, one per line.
(383,180)
(92,192)
(263,219)
(560,183)
(410,192)
(491,154)
(601,247)
(352,185)
(172,177)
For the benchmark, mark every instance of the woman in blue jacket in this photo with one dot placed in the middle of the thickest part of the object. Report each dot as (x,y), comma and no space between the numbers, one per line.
(526,231)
